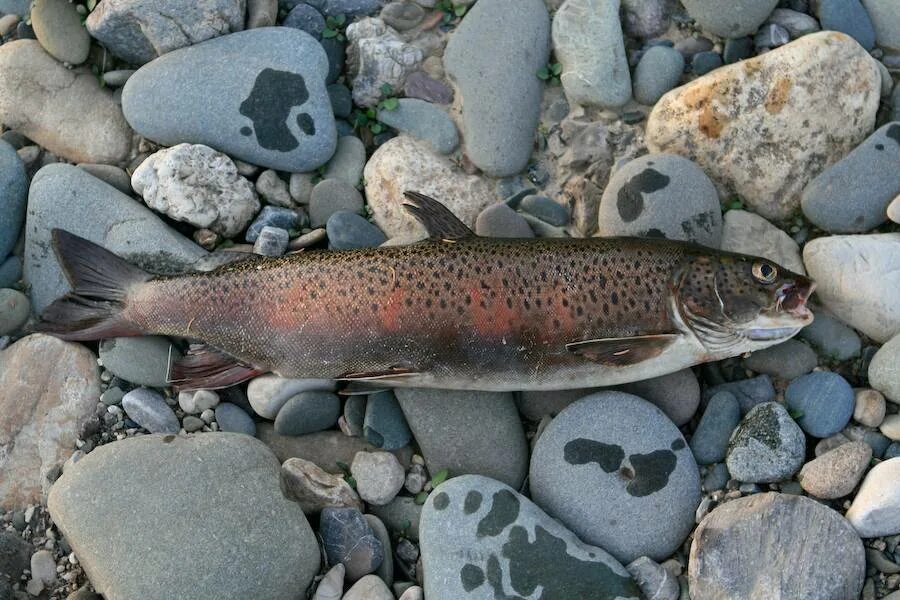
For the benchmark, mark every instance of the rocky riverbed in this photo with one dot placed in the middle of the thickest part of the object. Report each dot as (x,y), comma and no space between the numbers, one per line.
(182,134)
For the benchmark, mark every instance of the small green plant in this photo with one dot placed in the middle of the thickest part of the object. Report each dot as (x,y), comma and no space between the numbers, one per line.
(795,413)
(439,478)
(334,27)
(347,476)
(368,118)
(734,204)
(450,10)
(550,73)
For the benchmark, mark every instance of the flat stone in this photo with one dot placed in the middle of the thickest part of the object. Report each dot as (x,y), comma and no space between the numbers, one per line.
(423,121)
(315,489)
(727,19)
(499,220)
(493,57)
(886,21)
(545,209)
(348,539)
(347,230)
(847,16)
(148,409)
(139,360)
(263,99)
(745,232)
(63,111)
(810,551)
(57,26)
(330,196)
(587,41)
(273,216)
(767,446)
(268,393)
(710,441)
(787,360)
(420,85)
(831,338)
(348,161)
(606,463)
(42,412)
(403,164)
(467,432)
(661,196)
(875,510)
(676,394)
(308,412)
(835,473)
(232,418)
(852,195)
(658,71)
(476,538)
(138,31)
(884,370)
(749,392)
(64,196)
(767,151)
(857,277)
(704,62)
(156,483)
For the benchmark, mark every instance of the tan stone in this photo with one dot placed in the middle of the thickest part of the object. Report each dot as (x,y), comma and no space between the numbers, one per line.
(403,164)
(835,473)
(764,127)
(869,408)
(48,392)
(314,488)
(66,112)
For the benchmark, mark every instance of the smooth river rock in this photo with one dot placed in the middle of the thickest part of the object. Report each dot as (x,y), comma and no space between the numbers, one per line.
(764,127)
(748,233)
(729,19)
(875,510)
(262,98)
(858,277)
(13,195)
(493,57)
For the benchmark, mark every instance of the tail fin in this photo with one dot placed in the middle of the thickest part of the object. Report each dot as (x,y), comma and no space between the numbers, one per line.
(100,283)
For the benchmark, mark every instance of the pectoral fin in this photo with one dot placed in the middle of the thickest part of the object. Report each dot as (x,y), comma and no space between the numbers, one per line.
(440,223)
(378,375)
(621,352)
(206,368)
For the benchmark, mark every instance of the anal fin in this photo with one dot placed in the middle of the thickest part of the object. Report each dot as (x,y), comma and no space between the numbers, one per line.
(621,352)
(206,368)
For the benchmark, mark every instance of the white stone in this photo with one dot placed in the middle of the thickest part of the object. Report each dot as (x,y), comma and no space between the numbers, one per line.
(893,211)
(268,393)
(875,510)
(198,185)
(377,55)
(403,164)
(332,585)
(763,128)
(273,189)
(858,277)
(884,370)
(43,567)
(890,427)
(195,402)
(379,476)
(370,587)
(748,233)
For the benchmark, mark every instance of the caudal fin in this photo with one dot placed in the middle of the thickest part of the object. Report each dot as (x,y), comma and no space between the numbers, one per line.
(100,283)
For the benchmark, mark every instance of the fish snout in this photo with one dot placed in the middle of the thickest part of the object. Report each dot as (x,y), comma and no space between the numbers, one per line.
(793,297)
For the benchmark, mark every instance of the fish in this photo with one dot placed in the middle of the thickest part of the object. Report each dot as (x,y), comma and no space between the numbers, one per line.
(454,311)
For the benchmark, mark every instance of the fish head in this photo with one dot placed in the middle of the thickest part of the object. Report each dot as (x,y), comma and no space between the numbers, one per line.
(735,303)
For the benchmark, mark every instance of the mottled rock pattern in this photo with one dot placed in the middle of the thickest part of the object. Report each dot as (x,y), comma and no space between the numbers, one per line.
(315,489)
(377,55)
(767,446)
(835,473)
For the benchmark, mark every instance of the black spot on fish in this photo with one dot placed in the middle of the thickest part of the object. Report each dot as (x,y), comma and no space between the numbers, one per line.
(630,201)
(471,576)
(504,511)
(472,503)
(893,132)
(582,451)
(677,444)
(441,501)
(651,472)
(274,95)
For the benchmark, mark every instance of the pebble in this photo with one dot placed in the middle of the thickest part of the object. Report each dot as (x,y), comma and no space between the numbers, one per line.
(716,478)
(878,442)
(767,446)
(14,311)
(771,36)
(114,176)
(117,77)
(823,82)
(831,338)
(341,103)
(737,49)
(661,196)
(796,23)
(370,587)
(315,489)
(676,394)
(335,54)
(385,571)
(349,230)
(348,538)
(875,510)
(351,8)
(198,185)
(305,18)
(727,19)
(847,16)
(749,392)
(402,15)
(893,211)
(616,455)
(273,189)
(884,370)
(332,585)
(268,393)
(43,569)
(234,419)
(852,195)
(658,71)
(192,423)
(587,41)
(330,196)
(536,404)
(148,409)
(656,583)
(545,209)
(10,271)
(195,402)
(348,161)
(159,486)
(13,196)
(379,476)
(301,185)
(825,401)
(63,111)
(273,216)
(857,276)
(891,427)
(261,13)
(139,360)
(886,21)
(420,85)
(423,121)
(704,62)
(380,57)
(271,241)
(139,31)
(835,473)
(748,233)
(710,441)
(406,164)
(384,425)
(57,26)
(493,56)
(467,432)
(646,18)
(869,407)
(308,412)
(500,221)
(218,111)
(479,536)
(800,536)
(787,360)
(402,515)
(417,593)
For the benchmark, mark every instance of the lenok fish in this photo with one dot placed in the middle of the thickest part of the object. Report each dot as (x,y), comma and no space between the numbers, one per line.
(455,311)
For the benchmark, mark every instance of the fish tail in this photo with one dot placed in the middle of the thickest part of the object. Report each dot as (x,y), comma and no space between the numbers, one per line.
(101,282)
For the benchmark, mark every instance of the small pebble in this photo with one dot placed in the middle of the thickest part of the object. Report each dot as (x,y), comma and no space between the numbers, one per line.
(148,409)
(273,216)
(272,241)
(869,407)
(232,418)
(379,476)
(704,62)
(273,189)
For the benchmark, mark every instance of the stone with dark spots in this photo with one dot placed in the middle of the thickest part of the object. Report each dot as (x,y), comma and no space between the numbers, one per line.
(473,502)
(441,501)
(529,553)
(661,195)
(504,511)
(767,446)
(617,472)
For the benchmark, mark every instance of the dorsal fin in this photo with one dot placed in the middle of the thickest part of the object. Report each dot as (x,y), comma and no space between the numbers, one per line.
(440,223)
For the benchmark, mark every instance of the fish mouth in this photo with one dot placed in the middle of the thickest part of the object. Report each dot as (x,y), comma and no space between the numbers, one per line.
(790,301)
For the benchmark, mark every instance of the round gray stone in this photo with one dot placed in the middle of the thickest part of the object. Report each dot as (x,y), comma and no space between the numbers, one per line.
(499,220)
(308,412)
(233,419)
(767,446)
(847,16)
(348,161)
(824,401)
(139,360)
(148,409)
(787,360)
(384,425)
(710,441)
(14,310)
(662,196)
(607,463)
(545,209)
(349,230)
(831,338)
(658,71)
(424,121)
(330,196)
(402,15)
(749,392)
(58,28)
(306,18)
(379,476)
(729,19)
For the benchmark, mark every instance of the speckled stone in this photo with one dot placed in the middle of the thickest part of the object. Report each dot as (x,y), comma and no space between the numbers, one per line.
(767,446)
(835,473)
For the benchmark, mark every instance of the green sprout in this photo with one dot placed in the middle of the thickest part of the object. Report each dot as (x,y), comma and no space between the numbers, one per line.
(450,10)
(550,73)
(334,27)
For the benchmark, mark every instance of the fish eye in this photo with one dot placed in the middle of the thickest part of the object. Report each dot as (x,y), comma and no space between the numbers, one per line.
(763,272)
